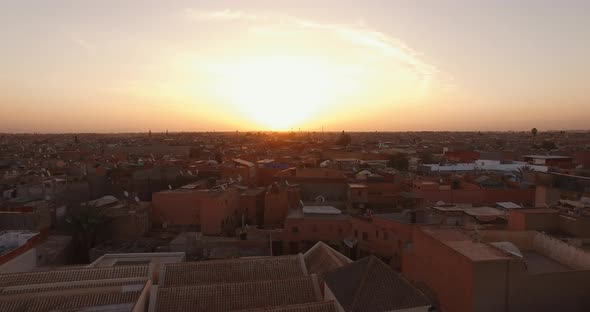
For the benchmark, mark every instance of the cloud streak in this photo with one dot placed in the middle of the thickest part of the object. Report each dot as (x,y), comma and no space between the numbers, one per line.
(357,34)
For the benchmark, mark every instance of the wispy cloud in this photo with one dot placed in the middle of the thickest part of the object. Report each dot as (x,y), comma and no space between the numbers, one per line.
(358,34)
(80,42)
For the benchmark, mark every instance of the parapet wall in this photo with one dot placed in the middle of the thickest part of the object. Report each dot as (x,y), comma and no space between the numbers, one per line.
(561,252)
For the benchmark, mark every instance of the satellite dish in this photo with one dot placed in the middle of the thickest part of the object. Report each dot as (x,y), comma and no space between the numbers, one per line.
(286,183)
(169,187)
(136,199)
(126,193)
(190,173)
(223,187)
(320,199)
(231,180)
(47,197)
(239,178)
(48,173)
(181,173)
(197,172)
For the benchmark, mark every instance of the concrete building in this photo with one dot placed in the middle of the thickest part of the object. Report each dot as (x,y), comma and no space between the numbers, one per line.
(213,211)
(16,251)
(278,201)
(498,270)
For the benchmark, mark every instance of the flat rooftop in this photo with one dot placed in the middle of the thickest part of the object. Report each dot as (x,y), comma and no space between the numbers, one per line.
(477,251)
(321,210)
(547,157)
(537,263)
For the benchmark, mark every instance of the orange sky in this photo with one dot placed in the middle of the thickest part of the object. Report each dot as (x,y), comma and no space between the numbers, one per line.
(264,65)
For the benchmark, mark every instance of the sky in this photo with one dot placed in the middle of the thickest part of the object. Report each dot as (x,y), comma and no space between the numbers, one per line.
(251,65)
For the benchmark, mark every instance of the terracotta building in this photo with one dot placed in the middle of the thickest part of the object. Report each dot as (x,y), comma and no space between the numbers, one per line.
(278,200)
(498,270)
(214,211)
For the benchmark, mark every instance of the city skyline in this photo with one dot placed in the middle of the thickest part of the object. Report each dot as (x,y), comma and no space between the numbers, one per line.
(270,65)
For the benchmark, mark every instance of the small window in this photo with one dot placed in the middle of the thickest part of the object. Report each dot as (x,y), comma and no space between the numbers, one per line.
(385,235)
(376,234)
(295,229)
(314,228)
(365,236)
(356,233)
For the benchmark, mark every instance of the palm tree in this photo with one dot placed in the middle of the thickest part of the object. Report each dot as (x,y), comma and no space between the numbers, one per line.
(521,173)
(534,131)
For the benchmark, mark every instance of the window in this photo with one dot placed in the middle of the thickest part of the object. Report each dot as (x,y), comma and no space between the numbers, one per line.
(365,236)
(314,228)
(376,234)
(356,234)
(385,235)
(294,229)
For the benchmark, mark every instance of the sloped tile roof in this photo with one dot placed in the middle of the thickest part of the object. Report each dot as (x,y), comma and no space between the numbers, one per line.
(234,270)
(238,296)
(322,258)
(59,276)
(370,285)
(324,306)
(68,302)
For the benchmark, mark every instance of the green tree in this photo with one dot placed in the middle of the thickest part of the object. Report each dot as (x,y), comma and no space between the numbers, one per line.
(426,157)
(344,139)
(522,172)
(85,223)
(548,145)
(398,161)
(534,131)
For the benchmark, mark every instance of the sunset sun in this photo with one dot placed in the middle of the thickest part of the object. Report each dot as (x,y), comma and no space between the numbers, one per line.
(278,92)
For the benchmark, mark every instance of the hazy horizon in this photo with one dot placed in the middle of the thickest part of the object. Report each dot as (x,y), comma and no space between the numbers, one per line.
(198,66)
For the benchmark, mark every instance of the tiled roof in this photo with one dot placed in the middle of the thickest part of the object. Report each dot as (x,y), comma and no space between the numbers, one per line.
(324,306)
(78,285)
(59,276)
(68,302)
(370,285)
(322,258)
(238,296)
(231,271)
